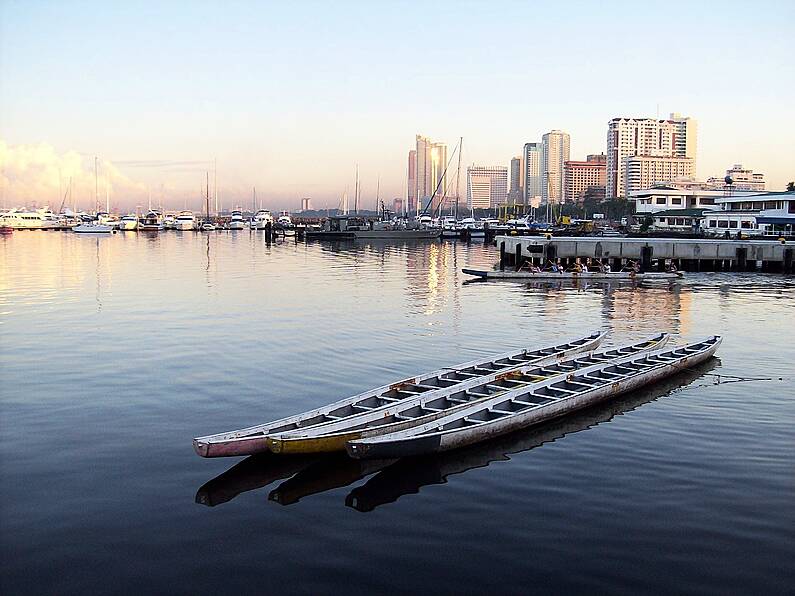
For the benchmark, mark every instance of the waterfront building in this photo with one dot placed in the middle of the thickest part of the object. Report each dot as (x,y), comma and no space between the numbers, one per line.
(665,197)
(515,188)
(487,186)
(431,181)
(628,137)
(555,153)
(581,176)
(644,171)
(742,179)
(306,204)
(530,173)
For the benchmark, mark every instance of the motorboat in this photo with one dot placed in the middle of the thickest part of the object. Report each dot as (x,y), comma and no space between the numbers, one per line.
(207,226)
(129,222)
(261,219)
(349,227)
(93,228)
(40,219)
(185,221)
(285,224)
(237,222)
(255,439)
(169,222)
(152,222)
(473,227)
(535,403)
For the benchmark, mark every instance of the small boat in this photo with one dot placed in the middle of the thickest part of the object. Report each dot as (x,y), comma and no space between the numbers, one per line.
(169,222)
(237,222)
(428,406)
(207,226)
(6,230)
(261,219)
(92,228)
(185,221)
(129,222)
(284,224)
(152,222)
(473,227)
(539,402)
(619,275)
(248,441)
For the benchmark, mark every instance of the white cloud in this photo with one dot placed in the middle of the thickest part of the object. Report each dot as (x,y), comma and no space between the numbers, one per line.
(38,175)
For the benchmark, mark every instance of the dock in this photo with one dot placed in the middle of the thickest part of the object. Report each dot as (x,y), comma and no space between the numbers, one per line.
(775,256)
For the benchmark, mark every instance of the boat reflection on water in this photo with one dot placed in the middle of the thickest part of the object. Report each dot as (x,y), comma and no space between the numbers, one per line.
(254,472)
(409,475)
(312,474)
(332,472)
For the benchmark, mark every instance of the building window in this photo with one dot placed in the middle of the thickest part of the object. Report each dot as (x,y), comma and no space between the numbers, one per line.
(723,224)
(712,223)
(733,223)
(661,200)
(676,201)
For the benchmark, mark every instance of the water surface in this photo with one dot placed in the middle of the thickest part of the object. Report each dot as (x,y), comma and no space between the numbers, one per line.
(116,351)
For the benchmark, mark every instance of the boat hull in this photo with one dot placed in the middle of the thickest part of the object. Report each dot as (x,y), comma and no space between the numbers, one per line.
(254,439)
(384,447)
(396,234)
(547,275)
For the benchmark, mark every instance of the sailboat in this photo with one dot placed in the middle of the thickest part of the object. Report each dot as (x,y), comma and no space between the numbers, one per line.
(207,225)
(94,227)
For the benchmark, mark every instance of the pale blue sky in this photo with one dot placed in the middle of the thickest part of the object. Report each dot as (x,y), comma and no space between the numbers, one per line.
(289,96)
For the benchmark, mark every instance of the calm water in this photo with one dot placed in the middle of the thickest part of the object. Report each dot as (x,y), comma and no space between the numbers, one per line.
(116,351)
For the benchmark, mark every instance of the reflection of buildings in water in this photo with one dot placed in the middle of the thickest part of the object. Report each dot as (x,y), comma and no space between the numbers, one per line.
(645,308)
(409,475)
(429,282)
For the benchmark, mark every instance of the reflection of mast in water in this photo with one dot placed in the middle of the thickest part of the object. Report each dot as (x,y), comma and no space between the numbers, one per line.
(409,475)
(99,286)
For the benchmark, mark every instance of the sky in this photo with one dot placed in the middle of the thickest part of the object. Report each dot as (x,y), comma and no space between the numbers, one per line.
(290,97)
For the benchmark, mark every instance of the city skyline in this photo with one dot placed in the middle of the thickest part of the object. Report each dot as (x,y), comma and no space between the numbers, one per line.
(277,91)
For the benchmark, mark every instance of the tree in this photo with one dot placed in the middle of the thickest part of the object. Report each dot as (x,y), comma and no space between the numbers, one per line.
(791,187)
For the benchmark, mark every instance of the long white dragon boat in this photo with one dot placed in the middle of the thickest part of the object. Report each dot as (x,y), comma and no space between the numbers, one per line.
(254,439)
(430,405)
(590,275)
(535,403)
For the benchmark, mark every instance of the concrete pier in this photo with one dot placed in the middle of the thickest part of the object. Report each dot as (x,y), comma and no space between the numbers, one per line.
(651,253)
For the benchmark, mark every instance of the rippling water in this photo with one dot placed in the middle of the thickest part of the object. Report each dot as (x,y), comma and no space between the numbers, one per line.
(116,351)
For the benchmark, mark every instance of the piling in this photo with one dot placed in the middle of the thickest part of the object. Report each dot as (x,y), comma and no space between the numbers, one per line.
(502,255)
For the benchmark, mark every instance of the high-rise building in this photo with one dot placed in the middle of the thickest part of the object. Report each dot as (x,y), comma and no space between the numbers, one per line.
(582,176)
(431,181)
(644,171)
(555,152)
(627,137)
(515,189)
(530,174)
(487,186)
(742,179)
(397,205)
(412,181)
(306,204)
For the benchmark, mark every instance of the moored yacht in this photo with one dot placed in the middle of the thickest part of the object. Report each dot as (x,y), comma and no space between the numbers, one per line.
(185,221)
(261,219)
(237,222)
(169,221)
(129,222)
(285,224)
(152,222)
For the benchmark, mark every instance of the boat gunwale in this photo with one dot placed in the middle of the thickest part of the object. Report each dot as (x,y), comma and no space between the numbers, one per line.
(708,347)
(259,431)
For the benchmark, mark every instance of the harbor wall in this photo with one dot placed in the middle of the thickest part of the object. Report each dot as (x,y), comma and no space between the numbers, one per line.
(652,253)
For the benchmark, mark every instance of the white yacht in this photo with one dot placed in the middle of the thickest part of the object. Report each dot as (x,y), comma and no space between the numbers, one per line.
(151,222)
(473,227)
(40,219)
(261,219)
(285,224)
(237,222)
(185,221)
(169,222)
(129,222)
(92,227)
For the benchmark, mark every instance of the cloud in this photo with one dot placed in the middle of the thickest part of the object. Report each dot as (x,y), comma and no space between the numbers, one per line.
(38,175)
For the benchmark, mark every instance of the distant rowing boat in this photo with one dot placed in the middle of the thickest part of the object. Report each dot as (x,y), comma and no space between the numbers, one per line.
(429,406)
(248,441)
(526,406)
(620,275)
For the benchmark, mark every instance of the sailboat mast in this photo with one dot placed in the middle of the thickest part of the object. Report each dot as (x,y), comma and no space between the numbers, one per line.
(215,183)
(96,184)
(458,175)
(207,195)
(377,193)
(356,193)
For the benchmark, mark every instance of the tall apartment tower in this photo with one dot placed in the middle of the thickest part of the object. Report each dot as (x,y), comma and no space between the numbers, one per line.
(412,182)
(431,161)
(555,153)
(487,186)
(530,174)
(515,188)
(646,137)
